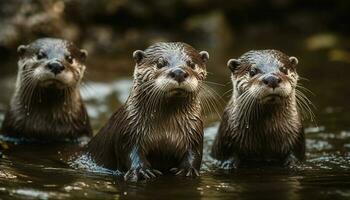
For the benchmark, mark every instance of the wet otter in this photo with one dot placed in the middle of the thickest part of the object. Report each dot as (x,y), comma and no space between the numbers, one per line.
(47,105)
(262,122)
(159,128)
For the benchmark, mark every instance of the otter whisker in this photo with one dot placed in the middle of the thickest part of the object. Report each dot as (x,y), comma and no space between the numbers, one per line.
(305,107)
(305,111)
(212,100)
(303,78)
(156,97)
(228,91)
(304,104)
(85,85)
(213,83)
(153,94)
(213,92)
(253,109)
(206,108)
(250,107)
(307,100)
(299,86)
(209,107)
(244,101)
(26,90)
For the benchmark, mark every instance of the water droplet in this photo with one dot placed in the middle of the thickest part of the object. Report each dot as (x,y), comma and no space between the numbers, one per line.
(28,113)
(247,126)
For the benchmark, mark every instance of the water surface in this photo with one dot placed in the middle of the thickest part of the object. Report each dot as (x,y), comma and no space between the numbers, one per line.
(37,172)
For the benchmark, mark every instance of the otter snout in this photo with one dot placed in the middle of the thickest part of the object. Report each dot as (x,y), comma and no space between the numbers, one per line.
(55,67)
(272,81)
(178,74)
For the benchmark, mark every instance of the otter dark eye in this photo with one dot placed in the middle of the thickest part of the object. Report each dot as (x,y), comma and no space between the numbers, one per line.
(41,55)
(253,72)
(161,63)
(69,59)
(284,70)
(191,64)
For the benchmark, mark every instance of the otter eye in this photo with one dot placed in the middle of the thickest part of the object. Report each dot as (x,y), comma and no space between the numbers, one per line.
(284,70)
(69,59)
(253,72)
(191,64)
(161,63)
(41,55)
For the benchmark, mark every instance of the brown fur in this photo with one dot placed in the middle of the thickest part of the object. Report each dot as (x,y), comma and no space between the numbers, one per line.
(50,113)
(154,132)
(260,132)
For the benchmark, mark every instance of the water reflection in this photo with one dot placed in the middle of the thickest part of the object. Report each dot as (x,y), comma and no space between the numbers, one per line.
(180,188)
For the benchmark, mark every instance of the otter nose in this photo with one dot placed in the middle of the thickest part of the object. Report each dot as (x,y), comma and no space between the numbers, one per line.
(179,75)
(55,67)
(272,81)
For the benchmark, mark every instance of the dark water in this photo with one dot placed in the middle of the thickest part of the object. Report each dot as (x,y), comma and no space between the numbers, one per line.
(36,172)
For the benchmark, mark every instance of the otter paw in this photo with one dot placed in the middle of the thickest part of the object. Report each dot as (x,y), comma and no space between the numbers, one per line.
(134,175)
(188,171)
(229,164)
(291,161)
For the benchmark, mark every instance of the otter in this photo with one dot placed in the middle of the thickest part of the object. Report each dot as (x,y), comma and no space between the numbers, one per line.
(262,122)
(159,129)
(47,105)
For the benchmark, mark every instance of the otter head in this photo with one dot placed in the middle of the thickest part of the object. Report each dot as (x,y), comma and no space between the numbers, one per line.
(268,76)
(172,69)
(50,62)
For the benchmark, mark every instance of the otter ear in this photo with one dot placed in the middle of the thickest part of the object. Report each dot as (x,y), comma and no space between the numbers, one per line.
(83,54)
(21,49)
(293,60)
(138,55)
(204,56)
(233,64)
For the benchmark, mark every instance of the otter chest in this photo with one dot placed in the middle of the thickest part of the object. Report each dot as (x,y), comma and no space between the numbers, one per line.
(45,123)
(165,140)
(270,142)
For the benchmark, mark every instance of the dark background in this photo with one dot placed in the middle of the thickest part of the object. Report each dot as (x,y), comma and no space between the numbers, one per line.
(315,31)
(111,26)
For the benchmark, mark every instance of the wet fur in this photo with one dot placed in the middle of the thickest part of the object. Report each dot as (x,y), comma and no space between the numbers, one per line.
(260,132)
(47,114)
(151,131)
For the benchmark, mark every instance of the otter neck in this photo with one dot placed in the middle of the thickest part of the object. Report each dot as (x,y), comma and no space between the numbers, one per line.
(147,102)
(48,98)
(281,113)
